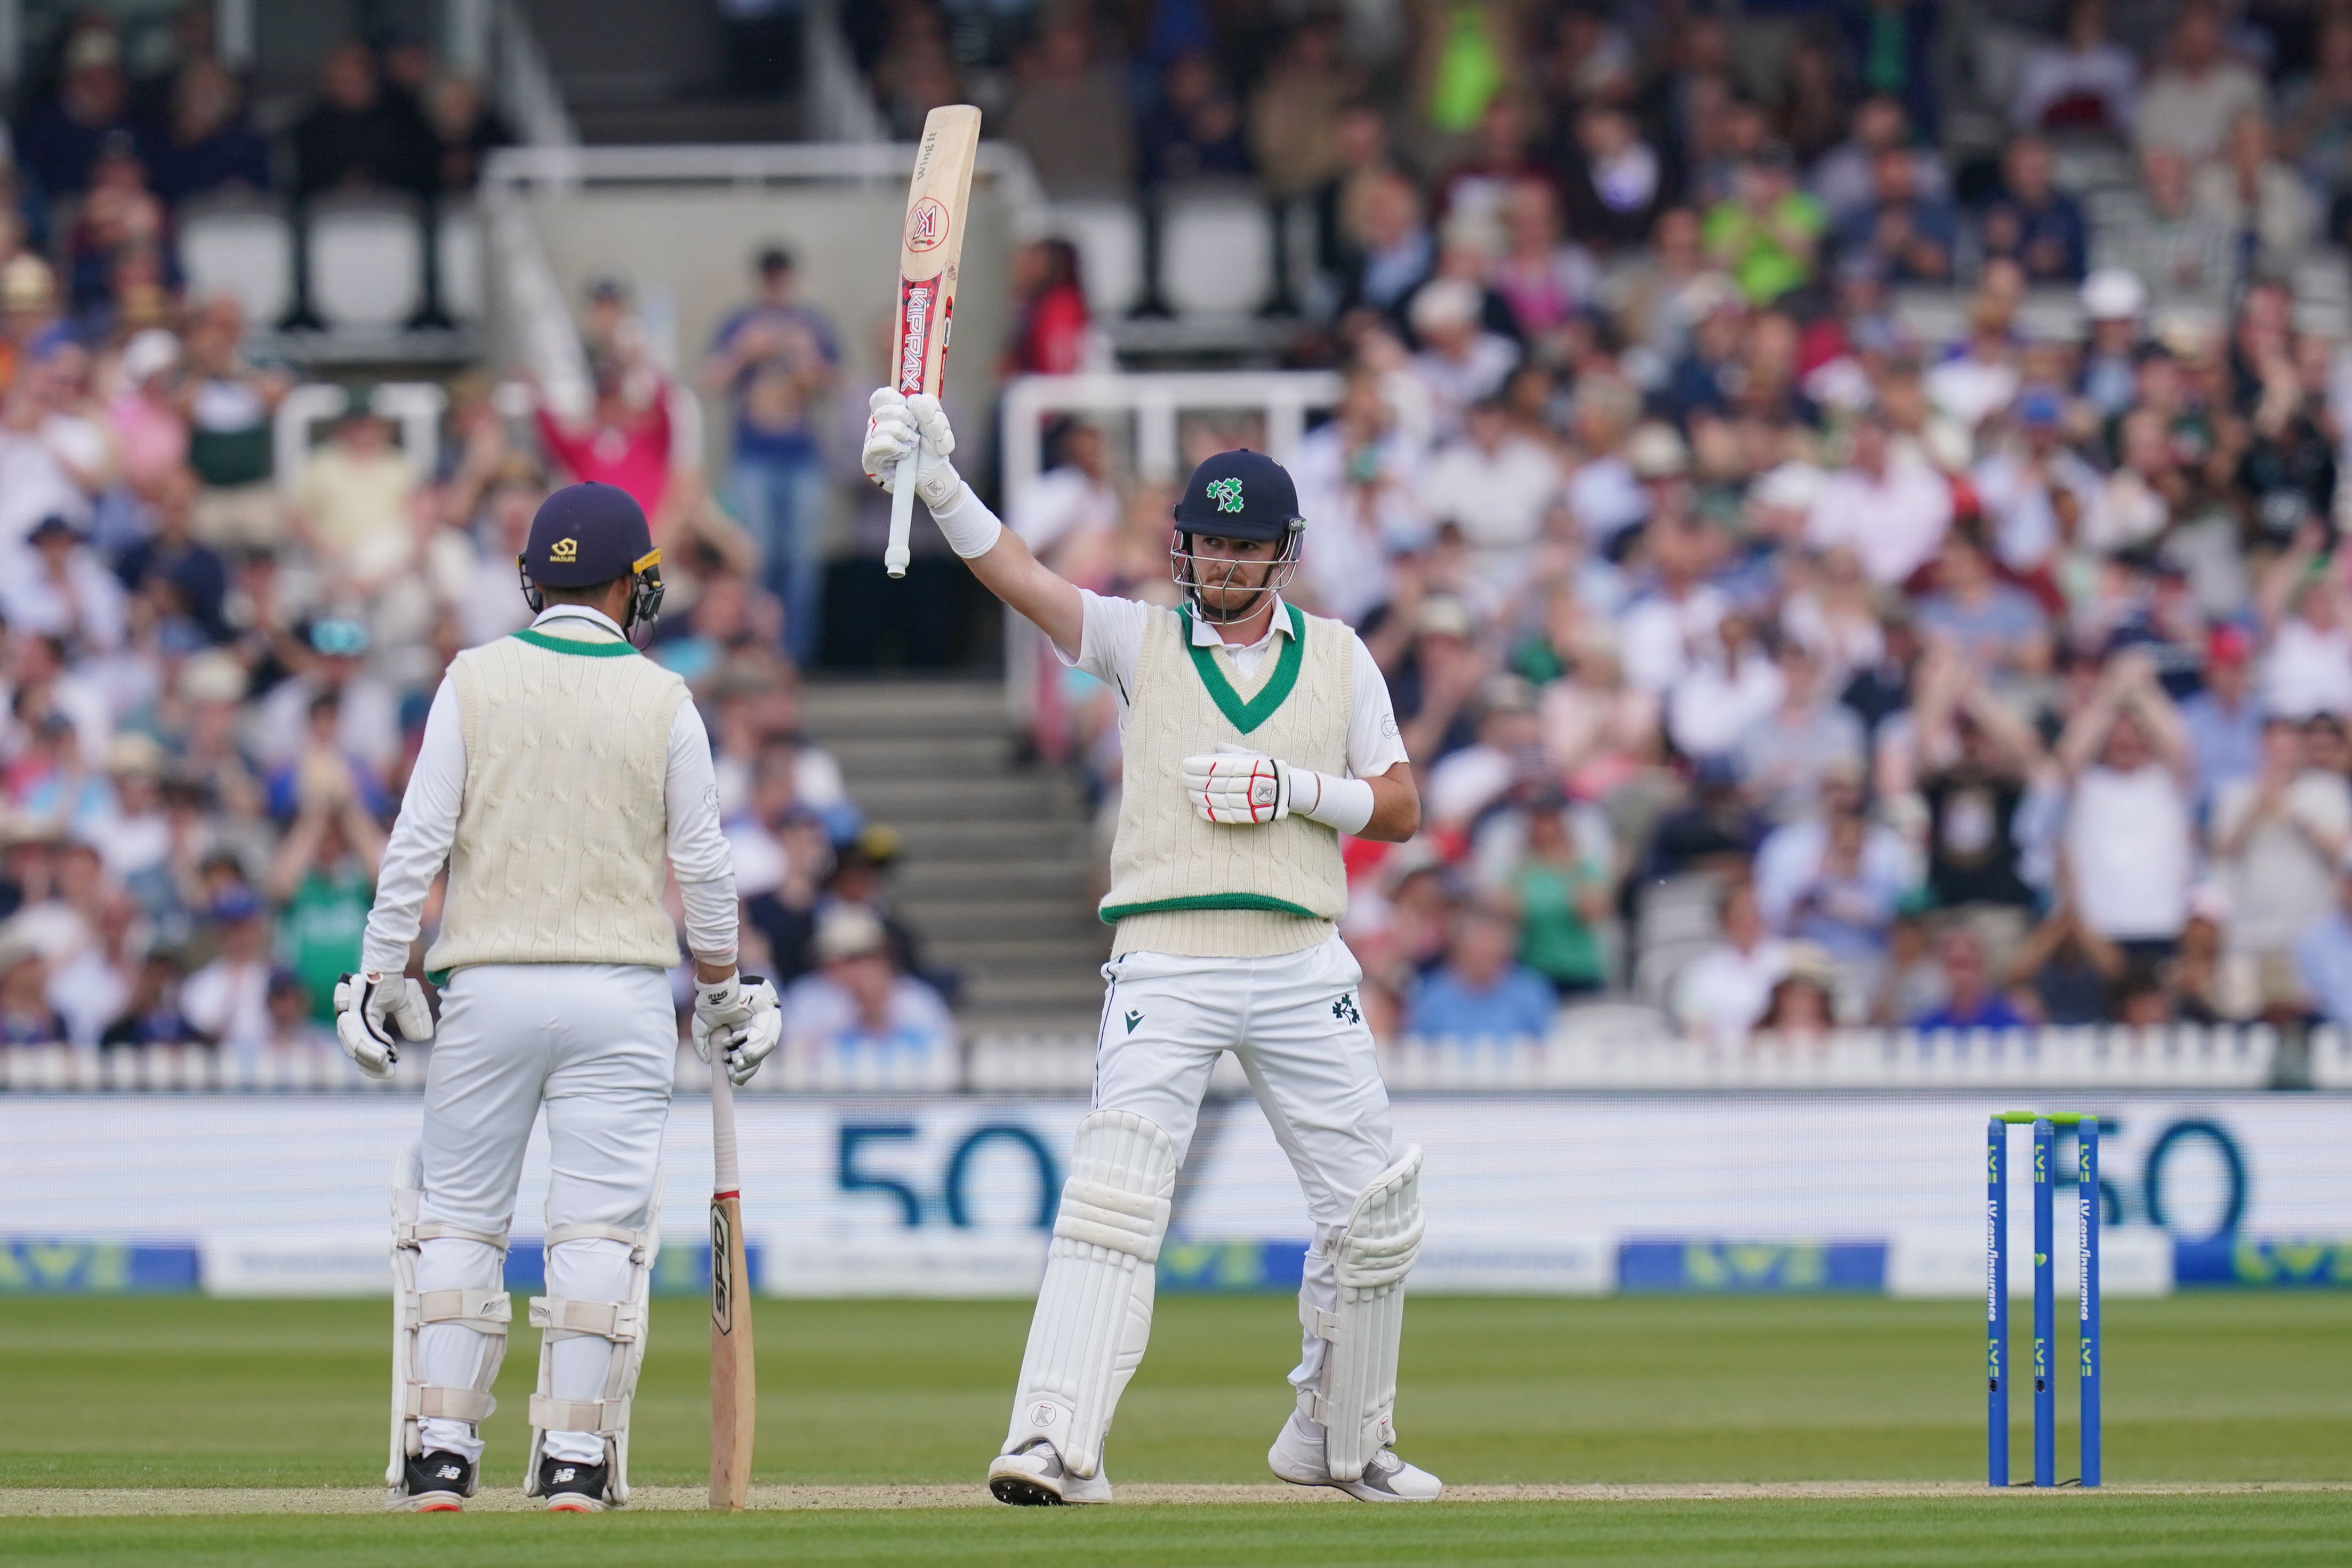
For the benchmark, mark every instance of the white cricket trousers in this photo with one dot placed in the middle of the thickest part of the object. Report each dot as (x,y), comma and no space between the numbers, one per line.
(596,1043)
(1295,1023)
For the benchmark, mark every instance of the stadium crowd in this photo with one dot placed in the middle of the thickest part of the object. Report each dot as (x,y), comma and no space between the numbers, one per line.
(1825,573)
(216,673)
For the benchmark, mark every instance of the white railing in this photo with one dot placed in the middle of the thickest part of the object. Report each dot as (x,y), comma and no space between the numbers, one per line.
(1575,1058)
(2331,1058)
(999,163)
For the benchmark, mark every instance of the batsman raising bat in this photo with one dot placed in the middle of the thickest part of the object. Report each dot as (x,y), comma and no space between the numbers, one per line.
(1254,735)
(563,777)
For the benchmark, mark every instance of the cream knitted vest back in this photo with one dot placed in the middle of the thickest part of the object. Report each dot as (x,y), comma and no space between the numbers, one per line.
(561,850)
(1182,885)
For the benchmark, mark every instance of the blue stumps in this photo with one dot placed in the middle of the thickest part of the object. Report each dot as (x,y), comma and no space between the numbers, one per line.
(2045,1290)
(1997,1303)
(2086,1193)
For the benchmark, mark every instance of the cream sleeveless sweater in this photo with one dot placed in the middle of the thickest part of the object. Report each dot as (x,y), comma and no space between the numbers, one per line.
(1182,885)
(561,848)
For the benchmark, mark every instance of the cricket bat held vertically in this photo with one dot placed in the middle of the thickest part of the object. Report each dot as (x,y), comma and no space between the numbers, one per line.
(931,247)
(733,1382)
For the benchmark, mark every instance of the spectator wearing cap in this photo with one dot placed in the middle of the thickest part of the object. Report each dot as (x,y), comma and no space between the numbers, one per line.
(227,1001)
(776,359)
(2034,223)
(1767,234)
(1460,361)
(2223,722)
(857,1004)
(2032,486)
(46,469)
(2276,839)
(25,1015)
(58,142)
(151,434)
(1890,511)
(1481,991)
(331,664)
(59,589)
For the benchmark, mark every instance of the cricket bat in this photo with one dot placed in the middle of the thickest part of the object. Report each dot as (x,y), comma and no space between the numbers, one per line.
(733,1385)
(939,201)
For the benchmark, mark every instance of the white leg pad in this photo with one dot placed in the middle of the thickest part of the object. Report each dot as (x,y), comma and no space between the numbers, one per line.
(624,1323)
(1093,1310)
(487,1312)
(1371,1256)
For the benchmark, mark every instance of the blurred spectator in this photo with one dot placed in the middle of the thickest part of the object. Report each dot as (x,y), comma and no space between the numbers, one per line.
(1460,361)
(2164,239)
(322,881)
(1906,236)
(228,404)
(2129,848)
(2190,102)
(59,142)
(1558,890)
(25,1015)
(1999,630)
(1723,993)
(1481,991)
(1495,484)
(351,504)
(208,145)
(2315,110)
(625,439)
(465,127)
(2257,195)
(776,360)
(1787,756)
(2323,954)
(1545,280)
(2066,969)
(61,589)
(151,1015)
(357,136)
(1890,511)
(857,1004)
(1052,334)
(2034,223)
(1970,1001)
(1389,250)
(1069,113)
(2083,80)
(1802,1002)
(1767,232)
(227,1001)
(1617,182)
(1845,179)
(2223,721)
(2277,838)
(1194,129)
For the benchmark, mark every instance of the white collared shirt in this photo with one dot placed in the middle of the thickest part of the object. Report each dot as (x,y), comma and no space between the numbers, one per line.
(1111,641)
(427,825)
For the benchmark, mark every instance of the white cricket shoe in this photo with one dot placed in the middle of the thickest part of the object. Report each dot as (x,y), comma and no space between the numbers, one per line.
(1034,1478)
(1298,1457)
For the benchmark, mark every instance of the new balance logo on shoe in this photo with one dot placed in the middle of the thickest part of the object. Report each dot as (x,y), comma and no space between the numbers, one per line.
(566,1474)
(448,1473)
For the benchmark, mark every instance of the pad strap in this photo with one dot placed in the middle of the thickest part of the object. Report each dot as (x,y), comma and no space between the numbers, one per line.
(617,1321)
(485,1312)
(409,1232)
(605,1417)
(431,1400)
(1104,1216)
(557,1234)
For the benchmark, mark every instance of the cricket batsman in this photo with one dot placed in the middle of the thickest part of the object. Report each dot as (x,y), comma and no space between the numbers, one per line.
(563,778)
(1254,735)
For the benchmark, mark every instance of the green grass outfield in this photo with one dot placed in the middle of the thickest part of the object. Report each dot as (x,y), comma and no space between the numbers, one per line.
(162,1394)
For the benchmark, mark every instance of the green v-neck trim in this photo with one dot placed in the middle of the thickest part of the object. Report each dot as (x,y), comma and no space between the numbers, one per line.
(586,650)
(1247,715)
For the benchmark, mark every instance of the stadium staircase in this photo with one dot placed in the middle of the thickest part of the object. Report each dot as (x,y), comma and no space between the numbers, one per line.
(996,868)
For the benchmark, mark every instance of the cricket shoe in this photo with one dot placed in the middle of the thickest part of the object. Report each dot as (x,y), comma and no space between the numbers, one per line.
(571,1487)
(439,1482)
(1034,1478)
(1298,1457)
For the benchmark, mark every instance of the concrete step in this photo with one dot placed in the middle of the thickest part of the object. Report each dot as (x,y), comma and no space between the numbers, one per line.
(903,799)
(1009,951)
(847,707)
(1061,993)
(905,755)
(947,919)
(1023,1021)
(965,840)
(990,881)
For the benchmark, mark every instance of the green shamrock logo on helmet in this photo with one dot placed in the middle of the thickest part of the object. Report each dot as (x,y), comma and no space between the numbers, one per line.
(1226,494)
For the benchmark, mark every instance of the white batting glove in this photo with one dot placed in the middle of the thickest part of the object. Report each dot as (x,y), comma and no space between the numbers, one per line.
(375,1015)
(1238,787)
(741,1013)
(896,425)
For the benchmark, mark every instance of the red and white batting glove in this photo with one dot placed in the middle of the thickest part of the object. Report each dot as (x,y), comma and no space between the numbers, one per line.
(1238,787)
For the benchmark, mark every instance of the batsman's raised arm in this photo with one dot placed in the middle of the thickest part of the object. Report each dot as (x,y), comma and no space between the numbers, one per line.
(899,425)
(1236,542)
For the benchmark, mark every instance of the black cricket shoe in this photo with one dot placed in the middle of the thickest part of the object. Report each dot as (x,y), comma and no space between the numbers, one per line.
(439,1482)
(571,1487)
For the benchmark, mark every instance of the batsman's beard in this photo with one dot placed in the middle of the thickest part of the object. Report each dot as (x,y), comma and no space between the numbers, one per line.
(1220,586)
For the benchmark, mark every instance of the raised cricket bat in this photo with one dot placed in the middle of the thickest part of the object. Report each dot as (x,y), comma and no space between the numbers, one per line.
(939,201)
(733,1386)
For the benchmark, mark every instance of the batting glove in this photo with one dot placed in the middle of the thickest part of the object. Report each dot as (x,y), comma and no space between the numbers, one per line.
(897,425)
(1238,787)
(742,1014)
(375,1015)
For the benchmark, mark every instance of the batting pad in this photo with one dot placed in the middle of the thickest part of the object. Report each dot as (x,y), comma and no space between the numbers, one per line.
(486,1312)
(1093,1310)
(624,1323)
(1371,1256)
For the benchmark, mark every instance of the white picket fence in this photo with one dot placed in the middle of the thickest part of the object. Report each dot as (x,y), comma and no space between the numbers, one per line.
(1591,1052)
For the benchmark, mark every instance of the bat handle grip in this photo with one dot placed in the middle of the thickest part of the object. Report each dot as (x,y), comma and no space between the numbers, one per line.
(896,554)
(725,1171)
